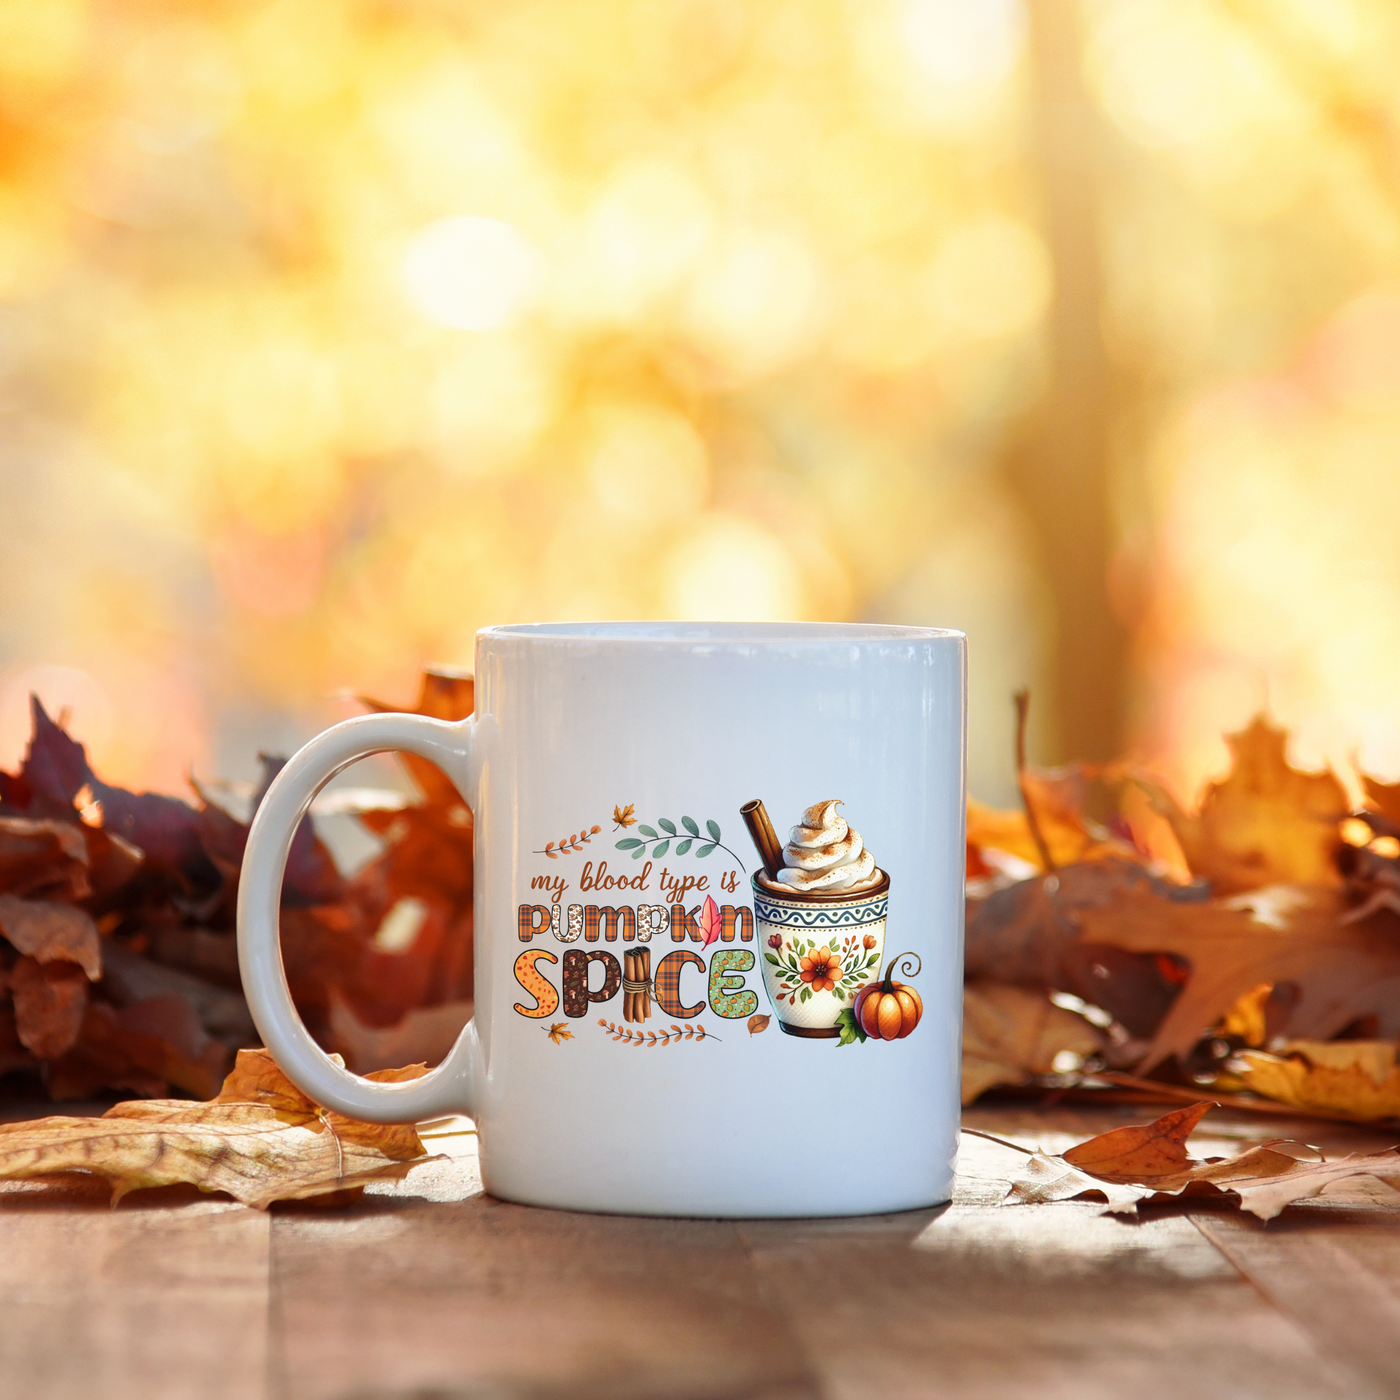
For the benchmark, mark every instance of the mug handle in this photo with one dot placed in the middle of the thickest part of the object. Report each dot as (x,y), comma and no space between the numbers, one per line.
(450,1088)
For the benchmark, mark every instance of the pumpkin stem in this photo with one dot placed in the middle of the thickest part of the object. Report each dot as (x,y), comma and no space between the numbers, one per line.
(894,964)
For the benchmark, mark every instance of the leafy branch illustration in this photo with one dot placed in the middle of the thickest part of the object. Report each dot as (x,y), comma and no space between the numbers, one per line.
(569,844)
(660,841)
(854,961)
(650,1038)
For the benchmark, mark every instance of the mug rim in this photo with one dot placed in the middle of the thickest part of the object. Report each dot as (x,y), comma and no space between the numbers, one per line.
(643,632)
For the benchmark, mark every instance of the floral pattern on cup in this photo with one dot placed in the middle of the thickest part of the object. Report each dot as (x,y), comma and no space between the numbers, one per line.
(803,968)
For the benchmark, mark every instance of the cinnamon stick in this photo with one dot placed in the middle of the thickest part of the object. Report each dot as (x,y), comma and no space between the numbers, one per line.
(643,965)
(629,974)
(770,849)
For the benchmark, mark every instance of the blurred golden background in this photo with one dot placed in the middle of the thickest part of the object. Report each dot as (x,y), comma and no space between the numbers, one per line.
(331,330)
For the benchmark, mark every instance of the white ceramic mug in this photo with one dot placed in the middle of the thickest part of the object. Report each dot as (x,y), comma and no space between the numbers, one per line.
(606,765)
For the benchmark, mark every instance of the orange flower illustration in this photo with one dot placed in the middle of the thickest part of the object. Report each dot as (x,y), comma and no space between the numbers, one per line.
(822,968)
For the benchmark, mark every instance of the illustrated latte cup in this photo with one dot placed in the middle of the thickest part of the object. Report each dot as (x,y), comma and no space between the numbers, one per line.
(661,978)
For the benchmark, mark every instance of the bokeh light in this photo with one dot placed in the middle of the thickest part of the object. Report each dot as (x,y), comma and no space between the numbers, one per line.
(331,331)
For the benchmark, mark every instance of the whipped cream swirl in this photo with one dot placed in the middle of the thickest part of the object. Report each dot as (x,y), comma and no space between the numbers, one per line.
(825,853)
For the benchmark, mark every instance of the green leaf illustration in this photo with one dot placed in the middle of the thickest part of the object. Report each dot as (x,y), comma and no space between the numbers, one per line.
(713,829)
(704,850)
(851,1029)
(661,849)
(770,958)
(683,846)
(690,826)
(629,843)
(639,852)
(667,825)
(649,831)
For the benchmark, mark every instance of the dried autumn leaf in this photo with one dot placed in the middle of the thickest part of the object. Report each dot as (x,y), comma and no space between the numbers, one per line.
(1383,797)
(1128,1165)
(622,816)
(261,1141)
(46,931)
(1341,971)
(1013,1033)
(43,859)
(143,1046)
(560,1032)
(49,1000)
(1029,934)
(1142,1154)
(1265,823)
(758,1023)
(426,1033)
(1360,1078)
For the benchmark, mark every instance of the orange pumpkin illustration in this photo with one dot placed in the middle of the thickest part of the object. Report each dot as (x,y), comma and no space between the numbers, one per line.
(889,1010)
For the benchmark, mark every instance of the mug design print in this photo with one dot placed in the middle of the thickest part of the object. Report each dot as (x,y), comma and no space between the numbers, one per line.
(812,974)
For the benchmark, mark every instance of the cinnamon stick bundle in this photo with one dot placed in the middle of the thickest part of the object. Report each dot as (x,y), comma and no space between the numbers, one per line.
(642,961)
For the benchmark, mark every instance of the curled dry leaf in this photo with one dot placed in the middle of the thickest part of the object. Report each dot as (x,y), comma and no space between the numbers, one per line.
(1013,1033)
(1129,1165)
(758,1023)
(1359,1078)
(261,1140)
(46,931)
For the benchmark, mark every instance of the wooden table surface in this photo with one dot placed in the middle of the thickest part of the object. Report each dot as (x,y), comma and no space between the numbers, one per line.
(429,1289)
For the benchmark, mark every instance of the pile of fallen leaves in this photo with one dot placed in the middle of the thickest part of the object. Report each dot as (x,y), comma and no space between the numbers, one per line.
(118,961)
(1249,948)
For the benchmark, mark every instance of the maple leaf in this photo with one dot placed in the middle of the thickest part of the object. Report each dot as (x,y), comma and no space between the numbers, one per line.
(1128,1165)
(559,1032)
(623,818)
(1028,934)
(1341,970)
(261,1140)
(710,921)
(758,1023)
(1265,823)
(1013,1033)
(1353,1078)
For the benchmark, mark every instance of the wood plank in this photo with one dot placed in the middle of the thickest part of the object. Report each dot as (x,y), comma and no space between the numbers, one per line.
(1333,1267)
(473,1295)
(1038,1302)
(1002,1302)
(151,1301)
